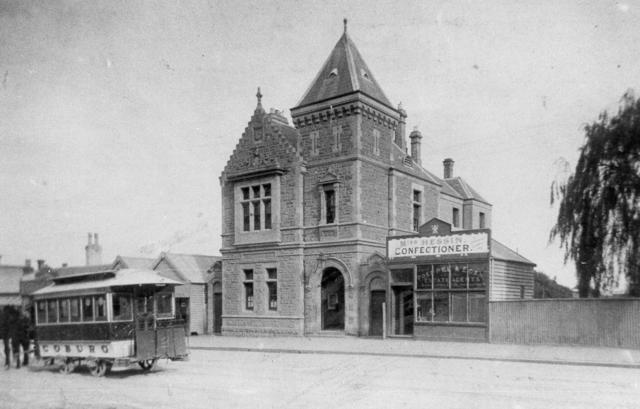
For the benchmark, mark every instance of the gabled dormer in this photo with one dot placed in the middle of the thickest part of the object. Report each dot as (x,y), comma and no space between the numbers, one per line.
(256,182)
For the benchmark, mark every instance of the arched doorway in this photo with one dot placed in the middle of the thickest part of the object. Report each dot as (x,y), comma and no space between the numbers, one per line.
(332,298)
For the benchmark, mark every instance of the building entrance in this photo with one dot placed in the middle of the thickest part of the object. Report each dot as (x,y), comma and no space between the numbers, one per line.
(332,300)
(402,313)
(376,304)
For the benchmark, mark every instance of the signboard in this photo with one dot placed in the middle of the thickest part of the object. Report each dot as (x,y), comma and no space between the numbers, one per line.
(454,244)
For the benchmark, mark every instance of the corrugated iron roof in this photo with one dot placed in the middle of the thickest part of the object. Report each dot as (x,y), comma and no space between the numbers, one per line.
(67,271)
(501,252)
(344,72)
(134,262)
(191,266)
(124,277)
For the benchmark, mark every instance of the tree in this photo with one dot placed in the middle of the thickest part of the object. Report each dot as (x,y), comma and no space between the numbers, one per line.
(599,204)
(544,287)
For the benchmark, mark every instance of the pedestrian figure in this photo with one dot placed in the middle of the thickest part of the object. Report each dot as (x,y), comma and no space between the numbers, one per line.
(4,333)
(19,334)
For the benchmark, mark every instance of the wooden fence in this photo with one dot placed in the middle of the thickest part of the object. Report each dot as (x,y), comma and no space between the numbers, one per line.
(608,322)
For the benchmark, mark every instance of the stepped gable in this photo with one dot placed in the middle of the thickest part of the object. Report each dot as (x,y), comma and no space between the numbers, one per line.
(344,72)
(267,143)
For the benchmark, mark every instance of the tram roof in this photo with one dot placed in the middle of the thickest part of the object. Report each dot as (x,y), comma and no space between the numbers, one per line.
(105,279)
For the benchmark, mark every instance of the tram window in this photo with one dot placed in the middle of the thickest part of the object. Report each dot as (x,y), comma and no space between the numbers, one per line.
(63,305)
(74,308)
(52,311)
(122,307)
(100,307)
(163,306)
(41,313)
(87,309)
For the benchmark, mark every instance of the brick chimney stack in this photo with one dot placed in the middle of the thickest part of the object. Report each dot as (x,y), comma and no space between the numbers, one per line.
(416,137)
(40,264)
(448,168)
(93,250)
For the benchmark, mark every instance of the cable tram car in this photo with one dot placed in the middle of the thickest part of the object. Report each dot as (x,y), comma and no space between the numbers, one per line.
(109,318)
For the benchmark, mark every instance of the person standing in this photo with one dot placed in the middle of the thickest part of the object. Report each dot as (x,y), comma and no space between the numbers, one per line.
(5,316)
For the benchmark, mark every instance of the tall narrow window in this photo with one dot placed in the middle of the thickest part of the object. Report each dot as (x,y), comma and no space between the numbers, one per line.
(266,203)
(87,309)
(246,214)
(337,134)
(248,289)
(52,311)
(74,306)
(272,286)
(100,304)
(330,203)
(417,209)
(41,312)
(376,142)
(455,217)
(314,136)
(64,310)
(482,220)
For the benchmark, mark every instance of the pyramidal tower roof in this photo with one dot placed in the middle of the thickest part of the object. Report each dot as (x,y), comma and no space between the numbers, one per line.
(343,73)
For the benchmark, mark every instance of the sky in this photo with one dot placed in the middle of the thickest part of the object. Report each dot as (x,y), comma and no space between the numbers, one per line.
(117,117)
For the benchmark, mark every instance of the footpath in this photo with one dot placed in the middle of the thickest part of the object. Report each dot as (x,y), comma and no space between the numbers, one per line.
(410,348)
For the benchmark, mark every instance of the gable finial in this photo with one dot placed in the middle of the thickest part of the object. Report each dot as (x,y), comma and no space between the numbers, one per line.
(345,25)
(259,96)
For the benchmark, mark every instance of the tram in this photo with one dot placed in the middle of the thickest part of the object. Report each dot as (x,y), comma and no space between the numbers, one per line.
(109,319)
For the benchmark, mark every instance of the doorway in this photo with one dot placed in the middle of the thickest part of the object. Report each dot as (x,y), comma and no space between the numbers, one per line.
(332,297)
(217,313)
(403,310)
(376,304)
(182,312)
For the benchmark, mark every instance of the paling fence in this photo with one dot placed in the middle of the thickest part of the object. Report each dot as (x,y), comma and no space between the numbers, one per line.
(609,322)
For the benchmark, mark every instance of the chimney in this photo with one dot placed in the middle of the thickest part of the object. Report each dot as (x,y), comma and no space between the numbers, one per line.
(93,251)
(40,264)
(88,239)
(401,128)
(448,168)
(64,265)
(415,137)
(27,263)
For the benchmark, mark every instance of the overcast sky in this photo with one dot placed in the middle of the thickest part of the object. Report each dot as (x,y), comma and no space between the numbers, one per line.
(117,117)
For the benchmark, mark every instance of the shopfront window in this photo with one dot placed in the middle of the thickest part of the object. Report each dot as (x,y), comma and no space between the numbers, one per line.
(451,292)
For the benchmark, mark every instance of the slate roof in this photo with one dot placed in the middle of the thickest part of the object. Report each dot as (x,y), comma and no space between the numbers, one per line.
(501,252)
(194,268)
(344,72)
(464,189)
(10,277)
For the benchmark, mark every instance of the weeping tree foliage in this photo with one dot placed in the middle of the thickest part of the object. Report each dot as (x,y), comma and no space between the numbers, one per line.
(598,221)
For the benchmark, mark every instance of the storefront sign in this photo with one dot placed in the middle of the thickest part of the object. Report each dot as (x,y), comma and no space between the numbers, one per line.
(461,244)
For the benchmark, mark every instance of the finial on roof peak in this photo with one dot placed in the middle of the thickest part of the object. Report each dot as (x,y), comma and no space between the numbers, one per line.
(259,96)
(345,25)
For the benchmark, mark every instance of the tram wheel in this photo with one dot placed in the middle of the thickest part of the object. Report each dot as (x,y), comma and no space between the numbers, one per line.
(67,367)
(147,364)
(100,368)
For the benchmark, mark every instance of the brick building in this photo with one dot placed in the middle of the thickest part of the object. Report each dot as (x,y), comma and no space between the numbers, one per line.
(307,207)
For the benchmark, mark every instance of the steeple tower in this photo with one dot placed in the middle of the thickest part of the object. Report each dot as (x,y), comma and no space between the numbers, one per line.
(344,72)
